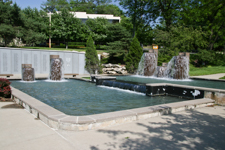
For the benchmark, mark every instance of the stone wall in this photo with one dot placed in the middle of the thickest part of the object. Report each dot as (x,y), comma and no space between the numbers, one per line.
(113,69)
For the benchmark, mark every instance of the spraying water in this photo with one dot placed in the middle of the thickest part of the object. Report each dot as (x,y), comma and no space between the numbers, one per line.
(177,68)
(148,64)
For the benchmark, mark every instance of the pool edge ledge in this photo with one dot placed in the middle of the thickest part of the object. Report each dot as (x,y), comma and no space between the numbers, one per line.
(60,121)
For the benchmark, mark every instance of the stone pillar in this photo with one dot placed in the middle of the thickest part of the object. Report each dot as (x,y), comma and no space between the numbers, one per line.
(27,72)
(150,62)
(161,70)
(181,66)
(55,67)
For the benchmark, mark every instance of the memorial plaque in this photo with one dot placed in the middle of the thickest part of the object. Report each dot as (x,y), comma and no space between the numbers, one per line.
(11,60)
(68,63)
(16,61)
(61,55)
(81,63)
(36,61)
(45,62)
(76,63)
(53,53)
(6,62)
(26,57)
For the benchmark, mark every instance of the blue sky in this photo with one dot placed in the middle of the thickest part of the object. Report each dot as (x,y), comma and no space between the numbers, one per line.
(33,3)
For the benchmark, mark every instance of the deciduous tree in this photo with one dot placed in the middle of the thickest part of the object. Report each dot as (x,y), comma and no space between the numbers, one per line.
(36,26)
(65,26)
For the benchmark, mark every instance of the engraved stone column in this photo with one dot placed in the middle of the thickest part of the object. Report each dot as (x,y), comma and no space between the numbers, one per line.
(27,72)
(55,67)
(181,66)
(150,62)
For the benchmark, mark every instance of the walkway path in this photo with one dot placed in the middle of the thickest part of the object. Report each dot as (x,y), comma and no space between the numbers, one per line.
(212,76)
(203,128)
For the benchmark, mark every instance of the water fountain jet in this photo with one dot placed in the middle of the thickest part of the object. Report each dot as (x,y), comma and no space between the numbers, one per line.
(148,64)
(177,68)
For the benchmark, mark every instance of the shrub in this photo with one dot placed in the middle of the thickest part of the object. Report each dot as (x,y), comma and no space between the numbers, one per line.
(134,56)
(206,58)
(76,43)
(5,90)
(61,44)
(91,57)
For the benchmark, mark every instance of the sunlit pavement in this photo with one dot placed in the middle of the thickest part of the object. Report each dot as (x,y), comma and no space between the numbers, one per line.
(202,128)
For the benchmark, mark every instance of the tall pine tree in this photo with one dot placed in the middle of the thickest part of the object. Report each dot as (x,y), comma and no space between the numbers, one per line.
(91,57)
(133,58)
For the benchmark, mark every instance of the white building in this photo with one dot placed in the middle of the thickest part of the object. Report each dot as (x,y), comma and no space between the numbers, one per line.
(84,16)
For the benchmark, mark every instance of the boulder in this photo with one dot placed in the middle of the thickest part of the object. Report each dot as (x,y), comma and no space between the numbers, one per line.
(113,69)
(107,69)
(107,65)
(117,69)
(116,66)
(111,72)
(123,72)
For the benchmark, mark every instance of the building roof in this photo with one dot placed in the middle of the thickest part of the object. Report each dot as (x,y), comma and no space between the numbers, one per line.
(84,15)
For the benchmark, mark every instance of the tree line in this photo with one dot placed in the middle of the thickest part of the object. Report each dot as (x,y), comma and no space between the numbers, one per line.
(182,25)
(174,25)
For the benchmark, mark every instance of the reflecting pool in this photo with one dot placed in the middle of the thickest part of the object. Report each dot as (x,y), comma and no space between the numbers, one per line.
(83,98)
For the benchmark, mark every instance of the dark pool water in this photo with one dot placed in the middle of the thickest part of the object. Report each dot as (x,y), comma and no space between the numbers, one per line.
(83,98)
(190,82)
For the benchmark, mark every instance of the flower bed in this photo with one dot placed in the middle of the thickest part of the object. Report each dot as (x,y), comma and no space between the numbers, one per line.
(5,90)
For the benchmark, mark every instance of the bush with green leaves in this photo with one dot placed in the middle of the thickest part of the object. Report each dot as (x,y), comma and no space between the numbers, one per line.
(134,55)
(91,57)
(207,57)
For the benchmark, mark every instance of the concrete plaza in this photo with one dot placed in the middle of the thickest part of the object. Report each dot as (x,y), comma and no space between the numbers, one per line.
(202,128)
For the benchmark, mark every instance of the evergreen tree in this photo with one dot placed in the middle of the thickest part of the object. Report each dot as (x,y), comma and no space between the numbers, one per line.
(134,56)
(91,57)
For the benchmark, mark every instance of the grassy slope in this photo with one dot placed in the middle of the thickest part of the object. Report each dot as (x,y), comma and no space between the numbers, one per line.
(62,49)
(59,49)
(206,70)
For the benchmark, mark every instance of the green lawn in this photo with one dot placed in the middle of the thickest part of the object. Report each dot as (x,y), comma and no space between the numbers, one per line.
(206,70)
(86,78)
(223,77)
(61,49)
(58,49)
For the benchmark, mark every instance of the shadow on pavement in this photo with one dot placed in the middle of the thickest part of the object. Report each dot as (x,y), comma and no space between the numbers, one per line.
(15,106)
(196,130)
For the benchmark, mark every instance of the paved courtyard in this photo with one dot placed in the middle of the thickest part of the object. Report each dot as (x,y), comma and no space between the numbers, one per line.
(202,128)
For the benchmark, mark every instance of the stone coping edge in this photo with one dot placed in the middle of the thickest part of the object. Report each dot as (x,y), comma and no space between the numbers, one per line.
(60,121)
(187,87)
